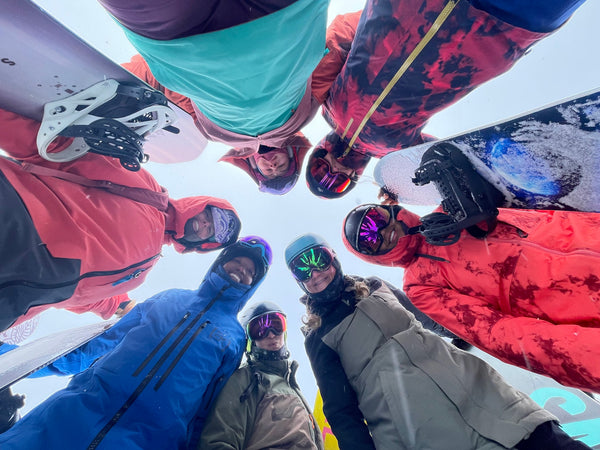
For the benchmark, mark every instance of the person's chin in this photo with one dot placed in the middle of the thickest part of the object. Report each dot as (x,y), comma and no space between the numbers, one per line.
(322,285)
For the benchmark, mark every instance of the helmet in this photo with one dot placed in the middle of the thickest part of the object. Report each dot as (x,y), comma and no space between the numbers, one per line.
(321,181)
(302,244)
(255,311)
(305,242)
(253,247)
(403,252)
(355,218)
(326,186)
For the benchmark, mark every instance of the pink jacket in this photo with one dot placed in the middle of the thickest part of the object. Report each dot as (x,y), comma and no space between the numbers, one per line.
(116,239)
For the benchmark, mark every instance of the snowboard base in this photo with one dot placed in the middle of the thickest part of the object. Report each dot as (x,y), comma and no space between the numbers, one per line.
(545,159)
(23,361)
(41,62)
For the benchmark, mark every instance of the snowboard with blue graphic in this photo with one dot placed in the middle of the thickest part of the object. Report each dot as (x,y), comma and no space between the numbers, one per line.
(47,72)
(545,159)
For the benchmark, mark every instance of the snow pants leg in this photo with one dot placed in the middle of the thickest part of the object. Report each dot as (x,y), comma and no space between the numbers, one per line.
(542,16)
(30,275)
(172,19)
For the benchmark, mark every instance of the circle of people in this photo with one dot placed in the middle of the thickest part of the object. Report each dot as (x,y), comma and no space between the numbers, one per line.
(168,373)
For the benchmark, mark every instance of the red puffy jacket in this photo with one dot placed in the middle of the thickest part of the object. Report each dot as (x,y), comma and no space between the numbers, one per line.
(529,293)
(116,239)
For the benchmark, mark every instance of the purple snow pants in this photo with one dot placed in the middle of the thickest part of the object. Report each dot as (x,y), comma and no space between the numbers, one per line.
(172,19)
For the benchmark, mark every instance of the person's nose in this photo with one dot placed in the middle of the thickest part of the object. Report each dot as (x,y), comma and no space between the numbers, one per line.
(386,232)
(246,273)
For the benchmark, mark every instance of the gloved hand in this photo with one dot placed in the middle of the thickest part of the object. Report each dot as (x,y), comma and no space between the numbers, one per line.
(9,408)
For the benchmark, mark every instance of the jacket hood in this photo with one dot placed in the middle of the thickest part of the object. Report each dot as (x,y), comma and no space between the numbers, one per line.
(236,294)
(297,144)
(181,210)
(217,282)
(403,253)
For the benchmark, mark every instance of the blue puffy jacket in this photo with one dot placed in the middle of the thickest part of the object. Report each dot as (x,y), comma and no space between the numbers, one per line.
(167,360)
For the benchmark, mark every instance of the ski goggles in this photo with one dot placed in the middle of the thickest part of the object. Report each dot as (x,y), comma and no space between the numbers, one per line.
(255,242)
(315,258)
(321,171)
(260,327)
(370,239)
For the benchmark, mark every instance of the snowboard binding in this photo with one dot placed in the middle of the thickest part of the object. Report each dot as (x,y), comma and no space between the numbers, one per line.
(467,198)
(108,118)
(111,138)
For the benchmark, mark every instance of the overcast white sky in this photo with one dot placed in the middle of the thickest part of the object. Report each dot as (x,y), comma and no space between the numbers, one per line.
(565,64)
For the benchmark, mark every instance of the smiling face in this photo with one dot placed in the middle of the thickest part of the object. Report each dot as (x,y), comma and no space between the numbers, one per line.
(273,164)
(390,234)
(200,227)
(319,280)
(240,269)
(379,230)
(337,166)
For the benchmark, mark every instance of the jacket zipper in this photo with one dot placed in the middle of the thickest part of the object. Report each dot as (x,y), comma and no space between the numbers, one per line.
(167,372)
(546,249)
(78,279)
(138,391)
(135,274)
(214,388)
(160,344)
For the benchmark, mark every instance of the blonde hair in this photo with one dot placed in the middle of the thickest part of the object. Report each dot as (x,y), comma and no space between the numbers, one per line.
(311,321)
(359,288)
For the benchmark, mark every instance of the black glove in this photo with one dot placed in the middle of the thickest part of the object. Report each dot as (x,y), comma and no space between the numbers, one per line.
(9,408)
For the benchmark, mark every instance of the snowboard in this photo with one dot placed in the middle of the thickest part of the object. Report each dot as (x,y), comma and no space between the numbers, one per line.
(22,361)
(41,62)
(548,158)
(329,440)
(19,333)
